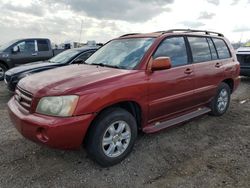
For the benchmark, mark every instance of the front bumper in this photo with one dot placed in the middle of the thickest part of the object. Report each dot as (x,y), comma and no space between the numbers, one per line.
(55,132)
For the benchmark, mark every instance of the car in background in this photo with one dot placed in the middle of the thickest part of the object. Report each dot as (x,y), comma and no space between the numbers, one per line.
(19,52)
(72,56)
(146,82)
(243,56)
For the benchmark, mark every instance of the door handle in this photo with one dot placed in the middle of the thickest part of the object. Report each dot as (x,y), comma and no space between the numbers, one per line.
(34,54)
(188,71)
(218,65)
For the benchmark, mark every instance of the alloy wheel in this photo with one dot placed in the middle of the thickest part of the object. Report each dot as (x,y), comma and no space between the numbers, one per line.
(116,139)
(222,100)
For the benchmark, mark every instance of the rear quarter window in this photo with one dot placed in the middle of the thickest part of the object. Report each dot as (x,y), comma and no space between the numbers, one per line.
(200,49)
(222,49)
(42,45)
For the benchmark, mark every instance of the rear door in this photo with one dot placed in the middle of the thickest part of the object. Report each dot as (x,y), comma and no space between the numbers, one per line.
(171,91)
(226,60)
(27,52)
(44,50)
(208,68)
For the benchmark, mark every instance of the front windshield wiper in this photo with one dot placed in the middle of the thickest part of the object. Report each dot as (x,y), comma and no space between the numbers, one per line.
(105,65)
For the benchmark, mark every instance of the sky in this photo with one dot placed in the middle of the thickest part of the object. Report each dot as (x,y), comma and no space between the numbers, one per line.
(101,20)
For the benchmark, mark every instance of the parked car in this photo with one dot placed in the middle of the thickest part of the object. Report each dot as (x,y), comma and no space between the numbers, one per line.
(18,52)
(146,82)
(73,56)
(243,56)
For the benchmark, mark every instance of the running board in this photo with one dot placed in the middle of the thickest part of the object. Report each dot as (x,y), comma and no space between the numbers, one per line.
(162,125)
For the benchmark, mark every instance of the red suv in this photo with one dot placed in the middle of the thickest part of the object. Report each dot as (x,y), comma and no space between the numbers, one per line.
(144,82)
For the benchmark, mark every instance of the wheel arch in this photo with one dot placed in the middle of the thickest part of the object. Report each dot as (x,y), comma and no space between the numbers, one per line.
(131,106)
(230,83)
(4,63)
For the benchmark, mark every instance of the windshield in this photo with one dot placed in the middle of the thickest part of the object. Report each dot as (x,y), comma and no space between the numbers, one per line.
(6,45)
(64,57)
(122,53)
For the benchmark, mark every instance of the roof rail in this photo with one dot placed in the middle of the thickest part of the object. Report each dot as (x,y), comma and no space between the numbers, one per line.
(191,31)
(129,34)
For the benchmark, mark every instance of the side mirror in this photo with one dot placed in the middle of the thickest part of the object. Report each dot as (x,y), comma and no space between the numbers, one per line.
(161,63)
(15,49)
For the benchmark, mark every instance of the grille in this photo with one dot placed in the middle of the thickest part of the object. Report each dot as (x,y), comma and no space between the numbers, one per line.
(24,98)
(244,59)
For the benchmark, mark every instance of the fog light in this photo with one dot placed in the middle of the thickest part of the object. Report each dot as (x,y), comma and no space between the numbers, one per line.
(42,135)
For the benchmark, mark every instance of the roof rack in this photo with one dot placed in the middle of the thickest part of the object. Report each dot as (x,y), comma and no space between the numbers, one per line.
(129,34)
(191,31)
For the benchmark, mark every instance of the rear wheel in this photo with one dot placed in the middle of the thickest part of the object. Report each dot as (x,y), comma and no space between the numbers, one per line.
(111,137)
(221,101)
(2,71)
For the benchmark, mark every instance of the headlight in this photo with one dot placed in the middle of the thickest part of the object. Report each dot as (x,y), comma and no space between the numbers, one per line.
(63,106)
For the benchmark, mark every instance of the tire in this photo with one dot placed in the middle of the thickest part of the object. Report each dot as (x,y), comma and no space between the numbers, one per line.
(118,144)
(221,101)
(3,69)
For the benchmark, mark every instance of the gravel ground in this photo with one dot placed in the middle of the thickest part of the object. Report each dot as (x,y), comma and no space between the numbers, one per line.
(206,152)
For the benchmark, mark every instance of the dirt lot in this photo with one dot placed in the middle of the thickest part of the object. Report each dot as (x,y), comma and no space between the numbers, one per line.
(206,152)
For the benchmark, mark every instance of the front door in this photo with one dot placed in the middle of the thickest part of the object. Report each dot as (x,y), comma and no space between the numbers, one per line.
(27,52)
(171,91)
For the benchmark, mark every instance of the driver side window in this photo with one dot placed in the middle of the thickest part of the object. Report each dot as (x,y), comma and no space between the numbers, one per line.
(26,46)
(174,48)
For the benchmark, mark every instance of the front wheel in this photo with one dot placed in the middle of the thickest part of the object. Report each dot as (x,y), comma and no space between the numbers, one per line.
(2,71)
(221,101)
(111,137)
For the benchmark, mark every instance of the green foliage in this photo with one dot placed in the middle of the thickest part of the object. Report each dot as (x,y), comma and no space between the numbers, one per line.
(247,44)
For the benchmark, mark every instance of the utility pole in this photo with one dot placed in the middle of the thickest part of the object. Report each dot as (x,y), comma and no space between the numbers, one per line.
(81,31)
(241,35)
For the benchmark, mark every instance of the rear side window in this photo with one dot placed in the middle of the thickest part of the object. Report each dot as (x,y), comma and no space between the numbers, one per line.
(200,49)
(174,48)
(212,49)
(221,48)
(42,45)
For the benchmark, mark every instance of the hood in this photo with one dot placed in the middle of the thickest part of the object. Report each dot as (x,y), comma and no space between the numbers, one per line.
(71,79)
(31,67)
